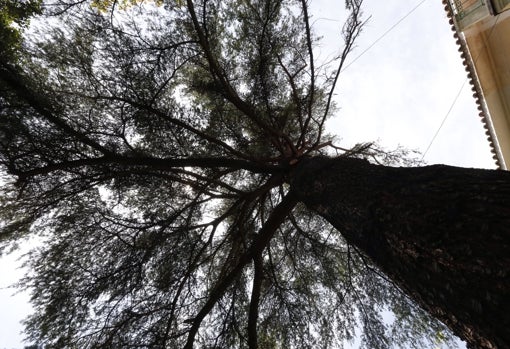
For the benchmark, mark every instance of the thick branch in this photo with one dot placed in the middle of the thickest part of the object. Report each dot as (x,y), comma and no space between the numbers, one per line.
(265,234)
(40,104)
(164,164)
(219,74)
(165,115)
(254,302)
(311,93)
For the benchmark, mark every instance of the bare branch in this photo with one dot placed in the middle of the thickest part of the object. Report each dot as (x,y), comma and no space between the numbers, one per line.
(351,31)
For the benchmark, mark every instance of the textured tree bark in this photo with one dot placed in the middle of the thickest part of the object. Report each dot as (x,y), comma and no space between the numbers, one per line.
(441,233)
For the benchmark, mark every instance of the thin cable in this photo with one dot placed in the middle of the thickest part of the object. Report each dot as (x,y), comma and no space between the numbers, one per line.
(383,35)
(458,93)
(445,117)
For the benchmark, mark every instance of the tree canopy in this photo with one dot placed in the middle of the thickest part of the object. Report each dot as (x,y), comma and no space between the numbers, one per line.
(149,147)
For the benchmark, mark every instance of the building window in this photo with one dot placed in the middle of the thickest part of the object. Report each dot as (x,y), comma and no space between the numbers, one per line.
(468,12)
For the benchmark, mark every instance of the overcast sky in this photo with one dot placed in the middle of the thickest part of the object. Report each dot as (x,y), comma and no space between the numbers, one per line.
(398,92)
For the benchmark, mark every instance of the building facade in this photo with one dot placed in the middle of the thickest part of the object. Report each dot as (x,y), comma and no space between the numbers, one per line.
(482,30)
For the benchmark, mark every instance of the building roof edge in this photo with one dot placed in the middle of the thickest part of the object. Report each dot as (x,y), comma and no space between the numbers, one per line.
(475,88)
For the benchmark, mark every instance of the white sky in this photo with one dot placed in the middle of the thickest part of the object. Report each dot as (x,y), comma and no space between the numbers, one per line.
(398,92)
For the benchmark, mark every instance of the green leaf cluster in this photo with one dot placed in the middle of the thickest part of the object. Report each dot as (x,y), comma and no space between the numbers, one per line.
(14,17)
(105,5)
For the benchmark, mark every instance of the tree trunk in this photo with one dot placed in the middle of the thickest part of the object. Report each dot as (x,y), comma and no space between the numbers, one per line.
(441,233)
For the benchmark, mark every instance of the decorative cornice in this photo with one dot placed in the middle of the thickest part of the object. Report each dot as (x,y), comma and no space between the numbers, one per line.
(468,63)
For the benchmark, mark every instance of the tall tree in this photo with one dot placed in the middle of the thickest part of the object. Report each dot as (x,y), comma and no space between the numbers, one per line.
(441,233)
(172,161)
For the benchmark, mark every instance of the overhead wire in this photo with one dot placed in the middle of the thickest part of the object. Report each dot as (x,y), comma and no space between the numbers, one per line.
(444,119)
(384,34)
(455,99)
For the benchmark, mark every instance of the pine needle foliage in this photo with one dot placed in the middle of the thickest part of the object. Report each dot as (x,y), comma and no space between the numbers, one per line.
(149,145)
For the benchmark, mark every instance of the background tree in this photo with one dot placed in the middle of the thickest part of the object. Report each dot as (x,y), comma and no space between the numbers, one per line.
(14,17)
(158,152)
